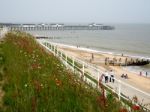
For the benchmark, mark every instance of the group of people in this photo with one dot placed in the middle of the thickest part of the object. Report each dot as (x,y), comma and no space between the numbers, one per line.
(109,77)
(146,74)
(124,76)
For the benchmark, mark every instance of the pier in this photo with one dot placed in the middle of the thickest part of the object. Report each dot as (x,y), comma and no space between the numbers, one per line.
(41,27)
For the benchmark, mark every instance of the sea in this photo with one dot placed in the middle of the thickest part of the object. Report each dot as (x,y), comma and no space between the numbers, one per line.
(127,39)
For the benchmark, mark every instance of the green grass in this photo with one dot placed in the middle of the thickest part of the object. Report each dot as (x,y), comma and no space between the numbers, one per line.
(91,78)
(36,81)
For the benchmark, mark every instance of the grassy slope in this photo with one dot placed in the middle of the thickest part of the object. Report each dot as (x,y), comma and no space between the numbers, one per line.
(36,81)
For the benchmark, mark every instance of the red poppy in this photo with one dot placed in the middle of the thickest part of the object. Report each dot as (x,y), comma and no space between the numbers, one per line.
(58,82)
(136,107)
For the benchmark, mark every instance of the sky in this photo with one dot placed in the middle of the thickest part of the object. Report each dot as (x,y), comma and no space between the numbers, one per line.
(75,11)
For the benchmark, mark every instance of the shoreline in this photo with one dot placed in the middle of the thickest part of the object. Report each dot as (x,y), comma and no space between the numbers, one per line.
(99,51)
(133,70)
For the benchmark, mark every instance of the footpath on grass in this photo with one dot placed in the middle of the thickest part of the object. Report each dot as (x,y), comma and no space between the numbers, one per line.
(34,80)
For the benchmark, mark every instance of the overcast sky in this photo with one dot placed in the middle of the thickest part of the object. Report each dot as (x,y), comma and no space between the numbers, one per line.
(101,11)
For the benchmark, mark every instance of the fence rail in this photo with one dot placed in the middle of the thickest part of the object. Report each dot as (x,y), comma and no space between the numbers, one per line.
(92,74)
(3,31)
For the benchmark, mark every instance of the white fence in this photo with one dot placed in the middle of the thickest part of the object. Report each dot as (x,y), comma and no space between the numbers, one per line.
(91,74)
(3,31)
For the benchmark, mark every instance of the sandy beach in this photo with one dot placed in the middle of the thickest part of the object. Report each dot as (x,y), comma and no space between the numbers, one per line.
(140,82)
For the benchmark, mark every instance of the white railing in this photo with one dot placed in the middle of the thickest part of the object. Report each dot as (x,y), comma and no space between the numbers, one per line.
(3,31)
(92,74)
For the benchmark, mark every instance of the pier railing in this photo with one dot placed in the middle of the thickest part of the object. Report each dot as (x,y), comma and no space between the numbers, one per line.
(92,75)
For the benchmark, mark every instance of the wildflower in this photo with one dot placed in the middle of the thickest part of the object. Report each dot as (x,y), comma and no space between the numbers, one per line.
(58,82)
(20,51)
(42,85)
(25,85)
(39,67)
(136,107)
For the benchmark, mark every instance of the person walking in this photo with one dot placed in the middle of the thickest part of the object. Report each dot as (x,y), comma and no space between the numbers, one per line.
(112,76)
(126,76)
(92,56)
(122,76)
(106,77)
(140,73)
(146,74)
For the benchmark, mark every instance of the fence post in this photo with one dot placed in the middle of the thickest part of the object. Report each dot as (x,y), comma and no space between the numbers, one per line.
(61,54)
(50,46)
(57,52)
(73,64)
(119,91)
(54,50)
(83,70)
(98,80)
(66,59)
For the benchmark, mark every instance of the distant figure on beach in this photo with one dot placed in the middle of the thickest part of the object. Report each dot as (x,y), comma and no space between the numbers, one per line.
(111,76)
(113,79)
(122,54)
(106,77)
(146,74)
(92,56)
(122,76)
(140,73)
(119,59)
(78,46)
(126,76)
